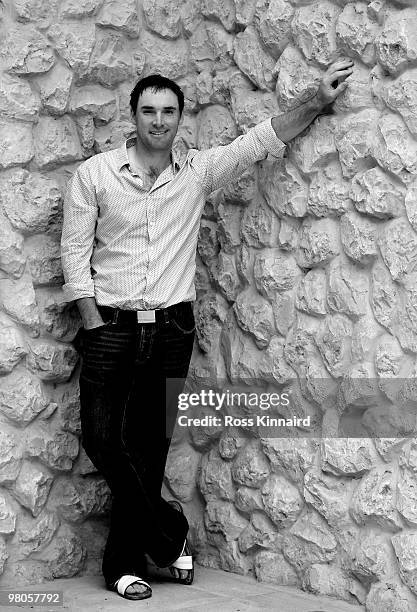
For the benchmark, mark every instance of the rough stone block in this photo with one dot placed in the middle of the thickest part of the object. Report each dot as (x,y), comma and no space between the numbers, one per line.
(313,29)
(356,31)
(398,245)
(348,289)
(32,202)
(164,18)
(78,9)
(226,276)
(371,555)
(248,500)
(333,341)
(50,360)
(112,62)
(397,44)
(384,296)
(215,127)
(328,580)
(283,187)
(252,107)
(57,449)
(400,95)
(121,15)
(309,541)
(10,456)
(282,501)
(65,555)
(359,238)
(275,271)
(12,346)
(297,80)
(410,204)
(288,234)
(316,147)
(94,100)
(77,499)
(376,194)
(221,517)
(229,222)
(32,487)
(12,256)
(273,22)
(56,142)
(394,148)
(17,144)
(165,56)
(215,478)
(181,472)
(250,467)
(74,42)
(259,225)
(390,595)
(284,311)
(347,456)
(329,495)
(4,555)
(311,293)
(254,315)
(44,260)
(260,532)
(223,11)
(40,11)
(34,534)
(374,499)
(405,546)
(17,99)
(319,242)
(19,302)
(407,497)
(24,50)
(54,89)
(354,138)
(252,60)
(328,195)
(210,315)
(272,567)
(7,516)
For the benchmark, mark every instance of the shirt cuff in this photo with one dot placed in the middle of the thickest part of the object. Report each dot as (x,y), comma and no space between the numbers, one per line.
(266,134)
(73,292)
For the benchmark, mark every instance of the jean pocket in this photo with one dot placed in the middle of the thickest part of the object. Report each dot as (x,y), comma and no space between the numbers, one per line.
(184,320)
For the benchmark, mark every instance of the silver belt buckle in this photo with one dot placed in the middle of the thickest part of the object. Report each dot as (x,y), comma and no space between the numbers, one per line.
(145,316)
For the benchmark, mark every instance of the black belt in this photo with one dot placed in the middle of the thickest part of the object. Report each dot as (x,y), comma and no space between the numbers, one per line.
(116,315)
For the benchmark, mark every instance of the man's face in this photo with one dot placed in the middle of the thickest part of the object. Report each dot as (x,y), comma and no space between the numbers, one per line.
(157,119)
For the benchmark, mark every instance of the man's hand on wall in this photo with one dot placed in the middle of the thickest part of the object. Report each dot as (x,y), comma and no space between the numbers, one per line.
(333,82)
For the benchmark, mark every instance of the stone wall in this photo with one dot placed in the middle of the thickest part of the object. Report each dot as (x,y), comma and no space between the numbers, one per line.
(305,281)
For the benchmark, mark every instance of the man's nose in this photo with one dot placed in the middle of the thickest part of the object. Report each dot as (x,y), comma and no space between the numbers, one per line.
(158,119)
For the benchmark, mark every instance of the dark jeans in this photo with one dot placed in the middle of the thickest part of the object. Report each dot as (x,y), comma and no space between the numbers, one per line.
(127,421)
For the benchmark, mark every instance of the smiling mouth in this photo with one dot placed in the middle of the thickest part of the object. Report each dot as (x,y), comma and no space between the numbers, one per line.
(159,133)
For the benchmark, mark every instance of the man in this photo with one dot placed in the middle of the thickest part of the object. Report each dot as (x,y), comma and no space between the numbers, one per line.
(131,221)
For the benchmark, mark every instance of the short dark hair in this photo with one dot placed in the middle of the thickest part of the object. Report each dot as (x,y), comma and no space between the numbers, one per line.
(158,83)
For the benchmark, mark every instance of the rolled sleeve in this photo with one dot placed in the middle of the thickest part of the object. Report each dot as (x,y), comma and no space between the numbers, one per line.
(221,165)
(270,141)
(78,233)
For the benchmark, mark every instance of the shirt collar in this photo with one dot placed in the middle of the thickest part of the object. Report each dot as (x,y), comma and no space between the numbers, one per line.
(123,159)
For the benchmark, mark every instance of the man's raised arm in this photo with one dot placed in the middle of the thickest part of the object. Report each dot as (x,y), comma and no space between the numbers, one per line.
(220,165)
(290,124)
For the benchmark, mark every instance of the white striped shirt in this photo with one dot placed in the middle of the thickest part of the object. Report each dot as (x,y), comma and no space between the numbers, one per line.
(135,249)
